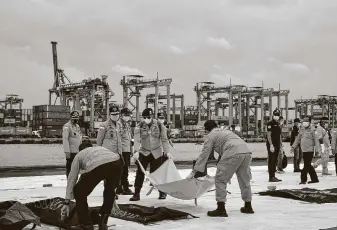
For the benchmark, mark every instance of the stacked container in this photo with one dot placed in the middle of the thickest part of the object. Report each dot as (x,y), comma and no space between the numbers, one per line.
(49,119)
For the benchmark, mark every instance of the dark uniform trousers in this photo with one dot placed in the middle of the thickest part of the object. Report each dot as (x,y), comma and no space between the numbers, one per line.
(111,173)
(308,168)
(272,159)
(69,162)
(145,161)
(336,162)
(125,174)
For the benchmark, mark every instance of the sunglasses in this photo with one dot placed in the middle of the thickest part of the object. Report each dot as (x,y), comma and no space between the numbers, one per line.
(114,114)
(148,117)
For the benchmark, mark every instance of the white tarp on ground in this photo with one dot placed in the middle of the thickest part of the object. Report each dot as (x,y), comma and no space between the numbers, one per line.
(167,179)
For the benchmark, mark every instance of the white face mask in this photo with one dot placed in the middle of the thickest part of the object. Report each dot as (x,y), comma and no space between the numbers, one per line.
(126,118)
(147,120)
(161,121)
(305,124)
(276,118)
(114,117)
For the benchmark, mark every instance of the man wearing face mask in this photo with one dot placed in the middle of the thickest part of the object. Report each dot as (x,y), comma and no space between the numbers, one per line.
(297,150)
(273,144)
(161,119)
(126,136)
(72,138)
(323,137)
(151,147)
(308,140)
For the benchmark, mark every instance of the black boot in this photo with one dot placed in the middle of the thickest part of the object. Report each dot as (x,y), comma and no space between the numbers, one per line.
(119,190)
(82,227)
(136,196)
(247,208)
(127,191)
(103,224)
(162,195)
(219,212)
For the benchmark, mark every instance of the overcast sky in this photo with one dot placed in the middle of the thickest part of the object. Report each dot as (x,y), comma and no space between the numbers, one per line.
(292,42)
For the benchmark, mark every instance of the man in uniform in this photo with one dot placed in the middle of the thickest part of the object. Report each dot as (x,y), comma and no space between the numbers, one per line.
(281,153)
(126,135)
(297,151)
(108,134)
(234,157)
(323,137)
(161,119)
(151,146)
(95,164)
(334,147)
(273,144)
(71,138)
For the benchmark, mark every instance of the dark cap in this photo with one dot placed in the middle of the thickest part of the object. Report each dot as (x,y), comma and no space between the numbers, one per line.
(114,109)
(126,111)
(75,114)
(324,119)
(160,115)
(210,125)
(276,112)
(147,112)
(297,120)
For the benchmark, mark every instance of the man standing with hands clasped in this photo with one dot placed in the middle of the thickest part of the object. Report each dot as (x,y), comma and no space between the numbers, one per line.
(72,138)
(273,144)
(151,146)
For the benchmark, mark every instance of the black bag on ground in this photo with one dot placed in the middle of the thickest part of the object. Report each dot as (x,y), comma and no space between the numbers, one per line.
(16,216)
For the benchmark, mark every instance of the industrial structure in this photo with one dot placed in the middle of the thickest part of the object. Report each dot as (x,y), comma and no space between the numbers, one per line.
(150,99)
(132,86)
(323,105)
(241,101)
(91,95)
(11,101)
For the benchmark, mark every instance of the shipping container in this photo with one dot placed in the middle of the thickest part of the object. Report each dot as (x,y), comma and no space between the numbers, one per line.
(51,108)
(48,114)
(48,122)
(9,120)
(7,131)
(23,131)
(191,121)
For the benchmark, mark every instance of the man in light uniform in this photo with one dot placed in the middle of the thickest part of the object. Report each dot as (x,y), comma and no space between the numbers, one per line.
(234,157)
(334,147)
(298,155)
(71,138)
(95,164)
(323,137)
(109,133)
(281,153)
(151,147)
(126,135)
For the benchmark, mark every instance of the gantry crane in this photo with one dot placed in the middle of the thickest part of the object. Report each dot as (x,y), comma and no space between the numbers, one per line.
(132,86)
(327,106)
(89,94)
(12,101)
(150,99)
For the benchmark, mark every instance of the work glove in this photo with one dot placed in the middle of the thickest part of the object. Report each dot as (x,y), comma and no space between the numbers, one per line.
(135,156)
(272,149)
(191,175)
(65,211)
(67,155)
(169,156)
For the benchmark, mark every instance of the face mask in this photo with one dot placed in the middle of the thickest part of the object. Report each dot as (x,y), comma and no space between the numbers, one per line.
(114,117)
(147,120)
(276,118)
(305,124)
(161,121)
(326,125)
(74,121)
(126,118)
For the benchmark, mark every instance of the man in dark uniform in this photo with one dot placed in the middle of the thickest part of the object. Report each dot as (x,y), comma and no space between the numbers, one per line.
(273,144)
(297,151)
